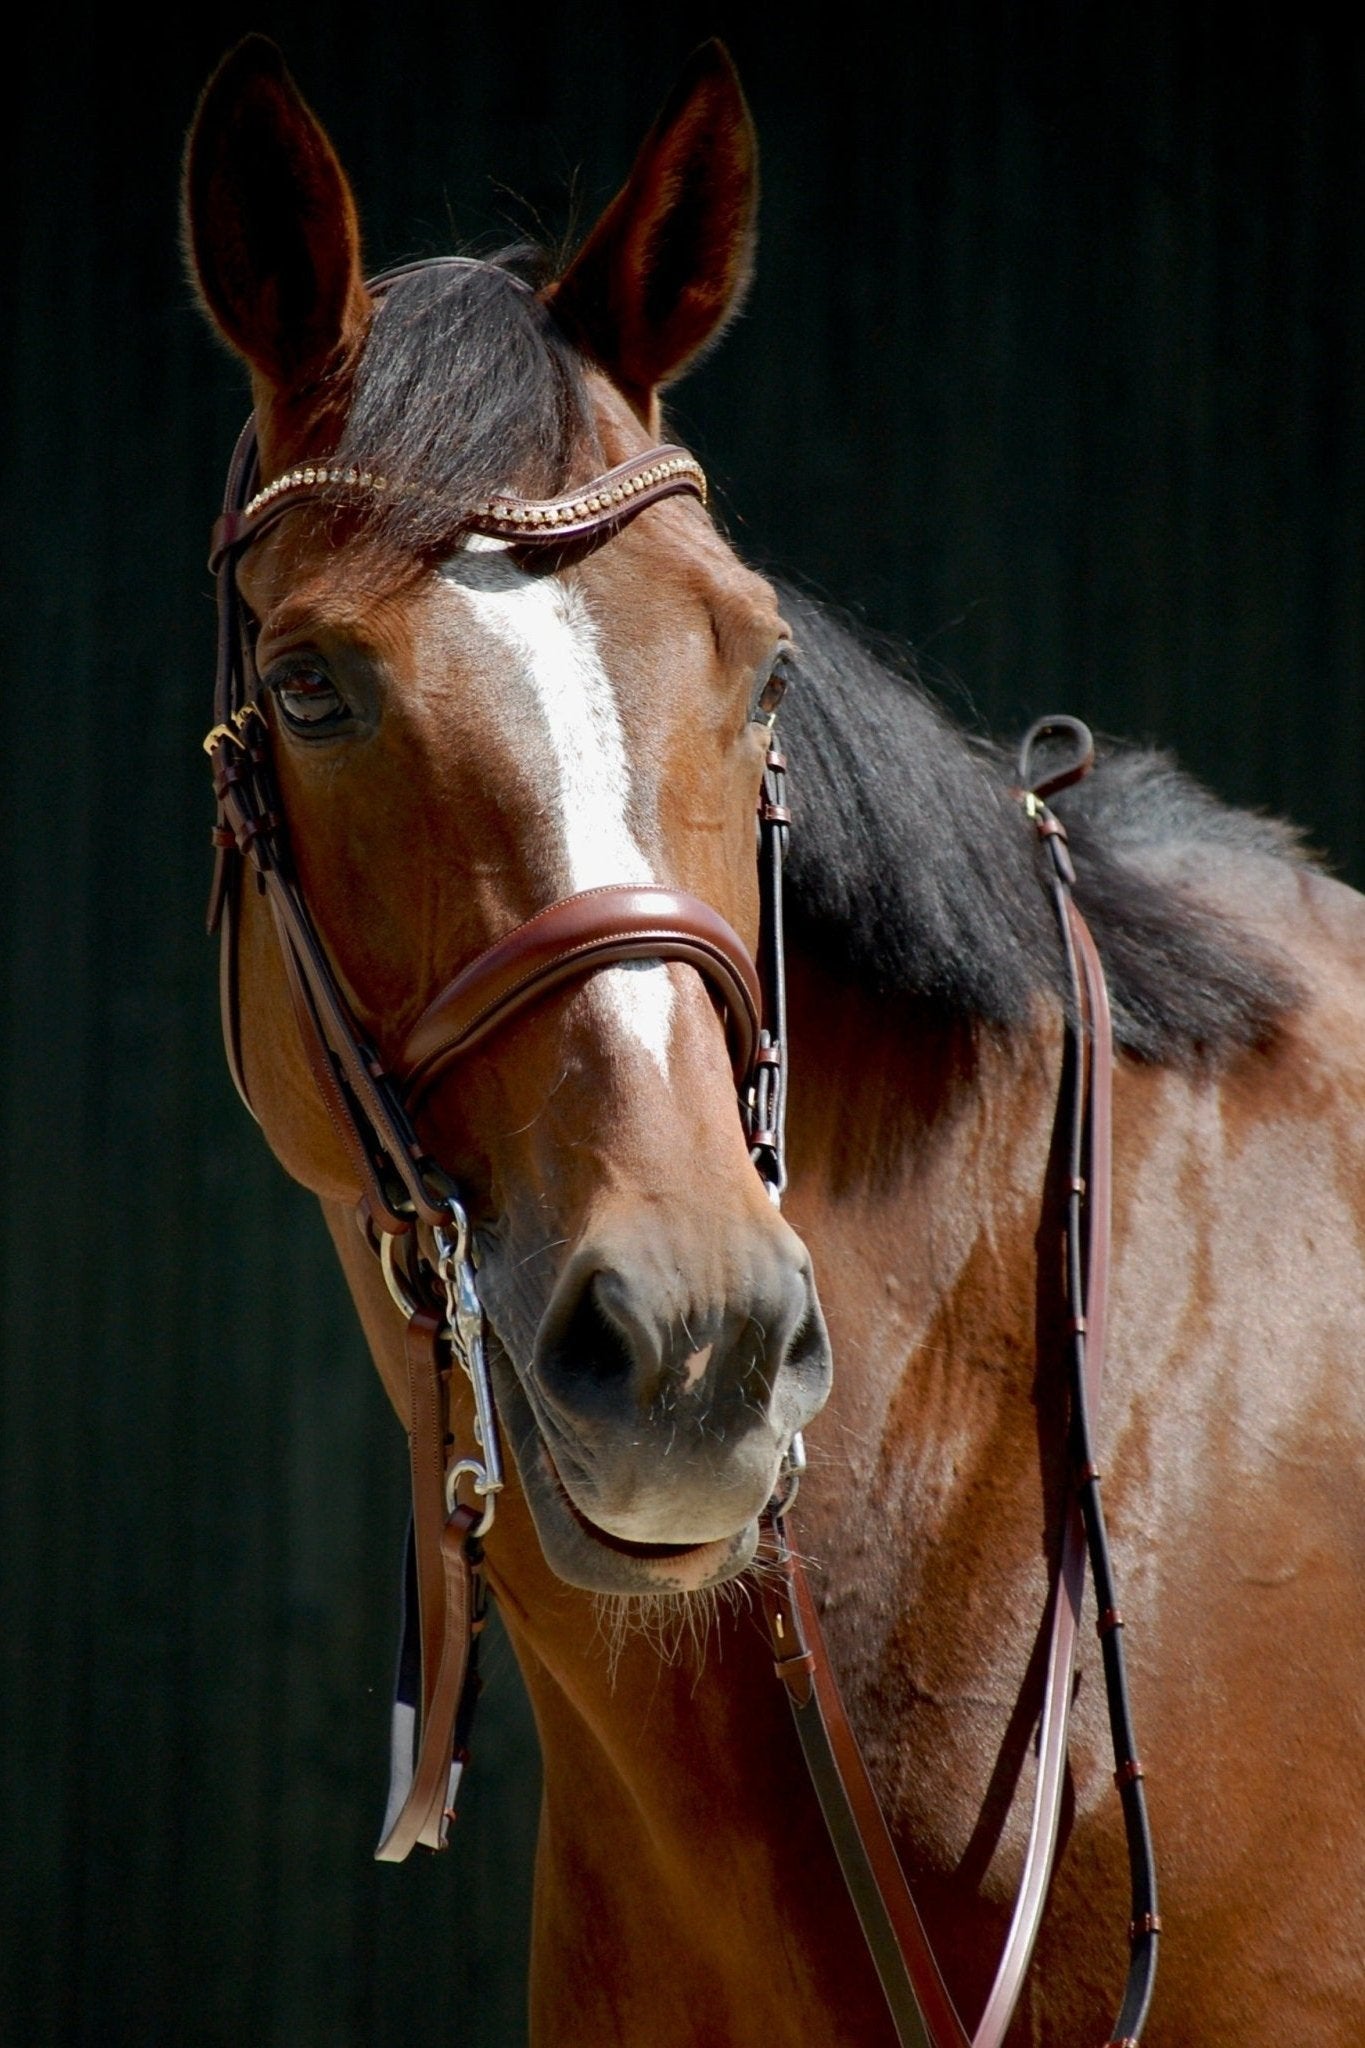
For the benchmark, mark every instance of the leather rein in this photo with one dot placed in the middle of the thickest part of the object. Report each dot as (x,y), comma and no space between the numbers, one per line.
(919,2001)
(411,1213)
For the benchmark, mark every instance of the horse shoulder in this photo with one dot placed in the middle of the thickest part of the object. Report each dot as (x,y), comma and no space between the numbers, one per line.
(1233,1443)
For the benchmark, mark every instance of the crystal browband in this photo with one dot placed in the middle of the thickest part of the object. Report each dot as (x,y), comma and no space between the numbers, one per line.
(660,473)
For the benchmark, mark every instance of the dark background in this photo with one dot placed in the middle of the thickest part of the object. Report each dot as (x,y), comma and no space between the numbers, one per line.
(1054,366)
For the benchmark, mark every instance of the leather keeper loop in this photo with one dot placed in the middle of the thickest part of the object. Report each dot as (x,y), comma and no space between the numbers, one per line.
(800,1662)
(1107,1623)
(252,829)
(1149,1923)
(1129,1773)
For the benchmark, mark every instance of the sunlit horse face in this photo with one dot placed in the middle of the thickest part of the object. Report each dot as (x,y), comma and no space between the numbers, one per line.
(463,739)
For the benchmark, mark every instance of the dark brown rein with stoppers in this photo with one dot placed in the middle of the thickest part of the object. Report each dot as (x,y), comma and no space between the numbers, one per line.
(920,2002)
(412,1216)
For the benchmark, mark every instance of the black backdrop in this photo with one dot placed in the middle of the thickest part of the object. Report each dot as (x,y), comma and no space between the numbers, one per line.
(1054,366)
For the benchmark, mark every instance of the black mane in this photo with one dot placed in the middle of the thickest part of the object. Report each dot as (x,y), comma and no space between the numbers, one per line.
(913,870)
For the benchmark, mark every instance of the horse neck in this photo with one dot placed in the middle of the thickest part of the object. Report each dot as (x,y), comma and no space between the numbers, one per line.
(682,1865)
(919,1160)
(920,1181)
(918,1164)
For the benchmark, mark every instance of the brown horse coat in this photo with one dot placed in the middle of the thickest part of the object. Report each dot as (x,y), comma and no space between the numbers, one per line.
(654,1315)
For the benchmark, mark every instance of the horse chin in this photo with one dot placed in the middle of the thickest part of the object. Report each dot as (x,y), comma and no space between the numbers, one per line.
(581,1552)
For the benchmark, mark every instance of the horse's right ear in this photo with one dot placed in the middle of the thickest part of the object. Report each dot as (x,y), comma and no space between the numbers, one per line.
(270,225)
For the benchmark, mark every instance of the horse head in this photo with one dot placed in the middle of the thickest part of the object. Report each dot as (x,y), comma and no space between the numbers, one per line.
(465,732)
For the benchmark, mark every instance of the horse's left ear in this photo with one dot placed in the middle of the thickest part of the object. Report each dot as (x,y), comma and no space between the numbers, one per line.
(668,263)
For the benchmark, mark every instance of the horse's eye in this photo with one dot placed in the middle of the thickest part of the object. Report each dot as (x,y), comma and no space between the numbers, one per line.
(775,689)
(308,697)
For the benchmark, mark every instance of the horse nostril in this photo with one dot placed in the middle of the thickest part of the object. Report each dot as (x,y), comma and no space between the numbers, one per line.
(590,1362)
(808,1348)
(806,1361)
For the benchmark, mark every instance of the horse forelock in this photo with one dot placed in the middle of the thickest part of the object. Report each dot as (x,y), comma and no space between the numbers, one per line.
(914,871)
(465,386)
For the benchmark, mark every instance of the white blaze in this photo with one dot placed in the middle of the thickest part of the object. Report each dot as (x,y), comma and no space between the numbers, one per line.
(546,629)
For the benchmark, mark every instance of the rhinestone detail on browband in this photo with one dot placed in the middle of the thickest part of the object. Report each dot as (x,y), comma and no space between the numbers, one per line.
(542,515)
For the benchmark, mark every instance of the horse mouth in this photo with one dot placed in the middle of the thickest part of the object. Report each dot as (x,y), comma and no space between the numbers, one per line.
(576,1547)
(661,1567)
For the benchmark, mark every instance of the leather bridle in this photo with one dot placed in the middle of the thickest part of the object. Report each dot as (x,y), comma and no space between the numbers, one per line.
(412,1214)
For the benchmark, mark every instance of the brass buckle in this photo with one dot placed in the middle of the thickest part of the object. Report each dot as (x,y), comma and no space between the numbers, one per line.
(234,730)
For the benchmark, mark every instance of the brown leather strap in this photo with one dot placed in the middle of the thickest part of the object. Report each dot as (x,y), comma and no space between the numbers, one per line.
(919,2002)
(1090,1062)
(1099,1219)
(338,1054)
(577,936)
(427,1812)
(226,912)
(916,1995)
(1092,1103)
(330,1092)
(1145,1922)
(444,1596)
(426,1458)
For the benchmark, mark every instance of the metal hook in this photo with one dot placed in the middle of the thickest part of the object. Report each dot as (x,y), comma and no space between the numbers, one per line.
(464,1314)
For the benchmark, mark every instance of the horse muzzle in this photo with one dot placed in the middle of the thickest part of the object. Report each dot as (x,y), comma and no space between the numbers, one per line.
(651,1419)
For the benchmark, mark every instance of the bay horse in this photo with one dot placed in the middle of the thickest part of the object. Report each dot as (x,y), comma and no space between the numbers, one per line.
(467,732)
